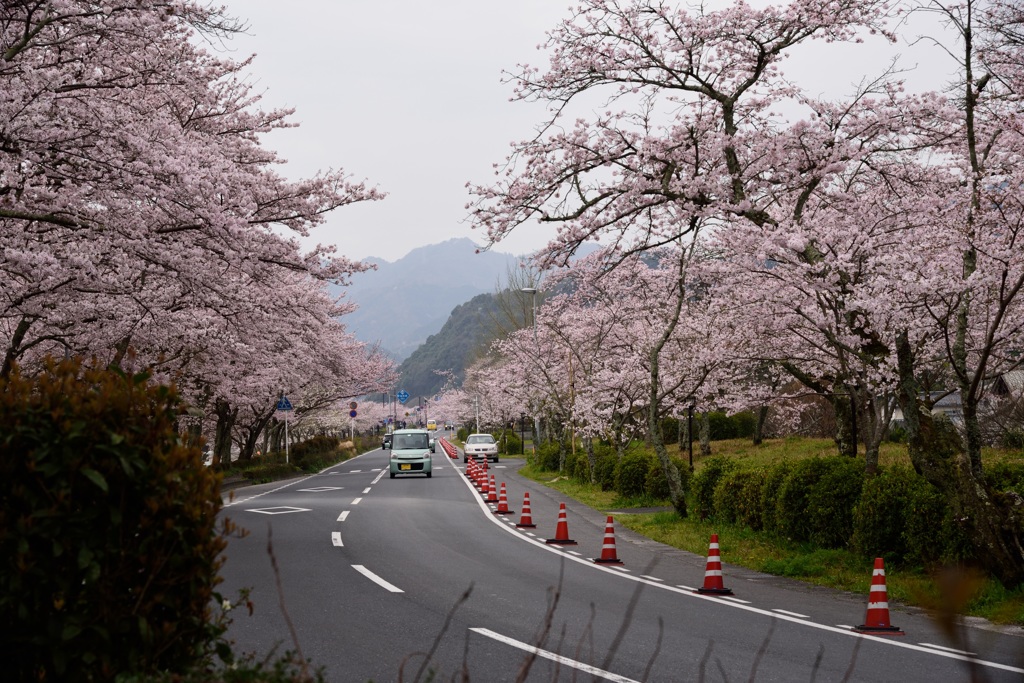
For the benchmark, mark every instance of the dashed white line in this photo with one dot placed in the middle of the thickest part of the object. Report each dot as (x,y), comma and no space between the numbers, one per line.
(580,666)
(366,490)
(356,501)
(949,649)
(336,539)
(792,614)
(342,516)
(376,579)
(379,476)
(732,599)
(652,578)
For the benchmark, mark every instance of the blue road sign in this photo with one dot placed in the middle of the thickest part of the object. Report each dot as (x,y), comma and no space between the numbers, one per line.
(403,396)
(351,413)
(284,404)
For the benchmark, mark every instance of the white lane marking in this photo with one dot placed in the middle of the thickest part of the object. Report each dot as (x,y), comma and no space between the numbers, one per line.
(741,604)
(376,470)
(356,501)
(336,539)
(652,578)
(732,599)
(573,552)
(283,510)
(366,490)
(949,649)
(279,488)
(792,614)
(531,535)
(585,668)
(354,471)
(621,569)
(382,472)
(342,516)
(376,579)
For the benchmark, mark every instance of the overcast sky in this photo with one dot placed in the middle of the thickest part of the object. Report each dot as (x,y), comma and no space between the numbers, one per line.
(408,95)
(404,93)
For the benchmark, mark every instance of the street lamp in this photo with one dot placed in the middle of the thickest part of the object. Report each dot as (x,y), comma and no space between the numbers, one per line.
(536,418)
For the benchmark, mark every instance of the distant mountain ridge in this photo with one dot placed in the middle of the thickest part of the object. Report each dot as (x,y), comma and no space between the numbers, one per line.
(402,303)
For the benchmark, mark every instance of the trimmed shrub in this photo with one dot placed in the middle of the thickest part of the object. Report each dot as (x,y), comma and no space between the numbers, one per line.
(657,482)
(737,497)
(462,434)
(932,537)
(1006,476)
(314,449)
(513,446)
(831,501)
(770,489)
(109,551)
(604,471)
(705,481)
(547,456)
(880,517)
(631,474)
(791,507)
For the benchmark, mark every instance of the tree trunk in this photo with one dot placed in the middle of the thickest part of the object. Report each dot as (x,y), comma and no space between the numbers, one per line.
(704,431)
(992,523)
(762,417)
(226,415)
(588,443)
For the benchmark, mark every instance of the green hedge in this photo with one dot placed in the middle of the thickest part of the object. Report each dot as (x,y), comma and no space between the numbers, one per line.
(705,481)
(109,550)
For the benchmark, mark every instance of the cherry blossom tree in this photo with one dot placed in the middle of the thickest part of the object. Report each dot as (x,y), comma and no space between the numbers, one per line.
(139,210)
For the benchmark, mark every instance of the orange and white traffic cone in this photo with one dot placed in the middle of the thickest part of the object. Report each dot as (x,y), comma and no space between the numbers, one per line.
(608,555)
(526,519)
(492,494)
(562,530)
(713,583)
(502,503)
(876,622)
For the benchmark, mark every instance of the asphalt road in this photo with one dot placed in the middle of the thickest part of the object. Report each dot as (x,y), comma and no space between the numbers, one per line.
(390,579)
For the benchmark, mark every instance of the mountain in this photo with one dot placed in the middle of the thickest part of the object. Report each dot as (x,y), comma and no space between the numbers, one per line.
(402,303)
(453,348)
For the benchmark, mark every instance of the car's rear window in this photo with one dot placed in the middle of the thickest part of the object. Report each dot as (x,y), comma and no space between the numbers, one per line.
(403,441)
(480,438)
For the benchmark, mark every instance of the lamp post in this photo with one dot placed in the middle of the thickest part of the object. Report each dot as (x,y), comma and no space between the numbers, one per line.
(522,433)
(536,418)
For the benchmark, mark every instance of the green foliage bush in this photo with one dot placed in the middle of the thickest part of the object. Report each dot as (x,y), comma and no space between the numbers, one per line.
(604,470)
(793,502)
(109,550)
(831,501)
(512,445)
(770,489)
(932,536)
(880,517)
(547,456)
(314,449)
(1006,476)
(737,497)
(657,482)
(631,474)
(705,481)
(462,434)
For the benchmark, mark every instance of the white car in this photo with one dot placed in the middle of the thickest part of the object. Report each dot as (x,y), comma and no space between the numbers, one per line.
(481,447)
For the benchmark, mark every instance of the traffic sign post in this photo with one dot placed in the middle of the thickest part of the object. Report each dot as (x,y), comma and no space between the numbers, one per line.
(285,406)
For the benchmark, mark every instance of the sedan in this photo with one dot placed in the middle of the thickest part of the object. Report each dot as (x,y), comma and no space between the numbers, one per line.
(480,446)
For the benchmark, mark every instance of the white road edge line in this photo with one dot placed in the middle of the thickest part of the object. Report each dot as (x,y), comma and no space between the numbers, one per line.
(736,604)
(585,668)
(376,579)
(336,539)
(343,516)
